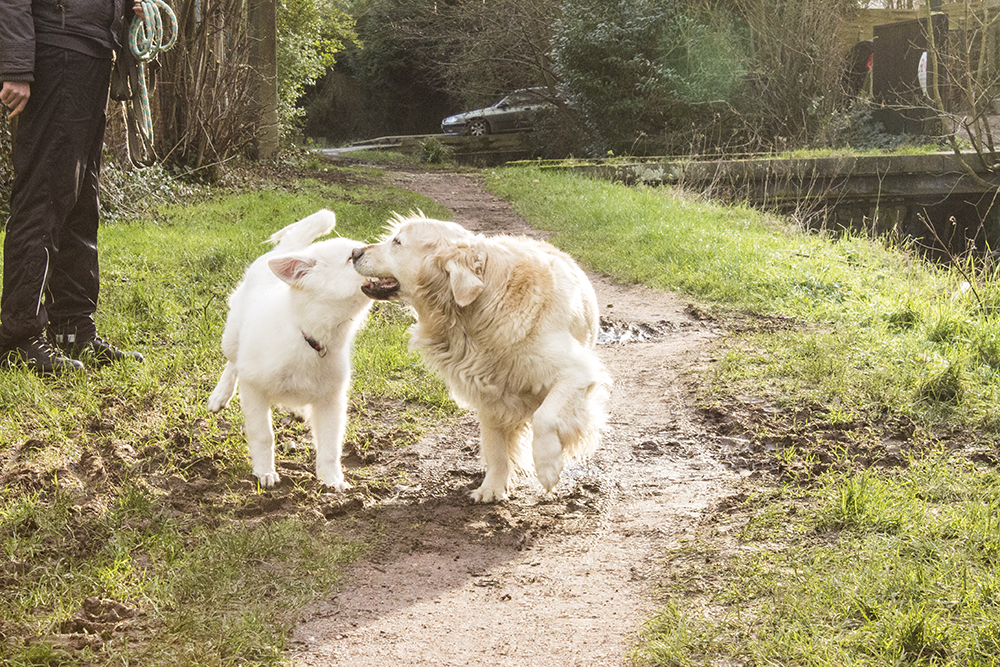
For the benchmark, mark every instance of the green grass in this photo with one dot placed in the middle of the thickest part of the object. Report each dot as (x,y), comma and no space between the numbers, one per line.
(120,485)
(210,596)
(883,569)
(735,257)
(905,149)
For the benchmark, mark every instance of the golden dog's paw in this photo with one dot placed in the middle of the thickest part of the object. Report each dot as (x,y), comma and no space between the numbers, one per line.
(548,474)
(485,494)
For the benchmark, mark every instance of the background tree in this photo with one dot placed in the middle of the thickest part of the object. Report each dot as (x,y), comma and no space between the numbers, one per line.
(968,69)
(206,103)
(310,34)
(487,49)
(381,85)
(793,84)
(679,76)
(424,59)
(607,58)
(627,76)
(484,50)
(208,112)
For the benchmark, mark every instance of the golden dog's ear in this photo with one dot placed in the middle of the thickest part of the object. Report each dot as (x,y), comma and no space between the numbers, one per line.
(291,268)
(465,285)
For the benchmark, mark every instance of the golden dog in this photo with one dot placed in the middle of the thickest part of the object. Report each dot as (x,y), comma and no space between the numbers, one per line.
(510,323)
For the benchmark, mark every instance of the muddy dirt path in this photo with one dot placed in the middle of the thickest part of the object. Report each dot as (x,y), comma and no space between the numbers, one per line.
(540,580)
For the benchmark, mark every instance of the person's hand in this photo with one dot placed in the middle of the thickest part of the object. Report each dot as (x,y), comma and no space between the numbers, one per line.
(14,95)
(137,9)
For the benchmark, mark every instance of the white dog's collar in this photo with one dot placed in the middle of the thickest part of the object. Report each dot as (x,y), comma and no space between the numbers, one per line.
(314,344)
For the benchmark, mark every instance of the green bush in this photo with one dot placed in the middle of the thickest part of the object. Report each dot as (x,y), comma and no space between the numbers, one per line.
(858,127)
(433,151)
(607,55)
(681,76)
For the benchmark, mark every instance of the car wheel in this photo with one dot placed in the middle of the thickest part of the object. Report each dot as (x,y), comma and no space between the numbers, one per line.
(479,127)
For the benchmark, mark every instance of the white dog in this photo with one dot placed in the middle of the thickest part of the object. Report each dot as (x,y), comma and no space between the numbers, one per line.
(288,337)
(510,324)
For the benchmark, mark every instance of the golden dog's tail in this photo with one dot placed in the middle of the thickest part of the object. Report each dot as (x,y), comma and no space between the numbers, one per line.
(301,234)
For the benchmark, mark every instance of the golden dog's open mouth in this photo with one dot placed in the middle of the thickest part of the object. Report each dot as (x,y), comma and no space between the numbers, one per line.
(381,289)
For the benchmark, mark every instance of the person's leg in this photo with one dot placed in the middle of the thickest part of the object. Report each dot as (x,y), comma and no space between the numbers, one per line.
(74,279)
(43,192)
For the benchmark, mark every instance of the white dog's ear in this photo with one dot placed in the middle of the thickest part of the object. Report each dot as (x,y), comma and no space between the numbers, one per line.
(465,285)
(291,268)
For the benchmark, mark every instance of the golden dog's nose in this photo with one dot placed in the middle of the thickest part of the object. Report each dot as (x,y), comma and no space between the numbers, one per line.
(356,254)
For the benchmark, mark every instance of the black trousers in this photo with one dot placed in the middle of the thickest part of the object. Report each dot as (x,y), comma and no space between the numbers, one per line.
(50,267)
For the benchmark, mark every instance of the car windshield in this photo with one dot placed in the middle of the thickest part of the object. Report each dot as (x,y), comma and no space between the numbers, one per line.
(521,97)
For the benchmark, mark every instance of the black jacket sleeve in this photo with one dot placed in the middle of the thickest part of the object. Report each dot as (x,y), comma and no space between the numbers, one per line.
(17,41)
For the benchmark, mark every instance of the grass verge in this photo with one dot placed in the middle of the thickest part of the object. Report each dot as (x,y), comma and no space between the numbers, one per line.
(859,324)
(892,568)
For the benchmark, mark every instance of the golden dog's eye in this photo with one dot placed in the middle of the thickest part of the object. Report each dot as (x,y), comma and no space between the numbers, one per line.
(396,241)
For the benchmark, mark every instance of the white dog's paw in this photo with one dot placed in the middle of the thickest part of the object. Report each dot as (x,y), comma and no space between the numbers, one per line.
(332,476)
(217,403)
(268,479)
(216,406)
(224,389)
(548,474)
(489,494)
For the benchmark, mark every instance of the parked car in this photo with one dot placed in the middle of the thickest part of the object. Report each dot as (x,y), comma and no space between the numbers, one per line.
(511,114)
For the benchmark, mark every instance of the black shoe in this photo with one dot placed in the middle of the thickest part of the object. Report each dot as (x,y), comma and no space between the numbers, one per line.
(96,349)
(37,355)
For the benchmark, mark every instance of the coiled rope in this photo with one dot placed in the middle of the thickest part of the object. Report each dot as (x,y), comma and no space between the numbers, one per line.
(146,41)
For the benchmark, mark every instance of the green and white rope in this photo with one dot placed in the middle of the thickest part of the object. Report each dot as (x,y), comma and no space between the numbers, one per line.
(146,43)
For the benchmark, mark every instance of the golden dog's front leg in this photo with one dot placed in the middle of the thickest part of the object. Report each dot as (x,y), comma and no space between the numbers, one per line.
(493,446)
(551,424)
(568,423)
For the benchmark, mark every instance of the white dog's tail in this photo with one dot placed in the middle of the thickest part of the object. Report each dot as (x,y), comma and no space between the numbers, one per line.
(299,235)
